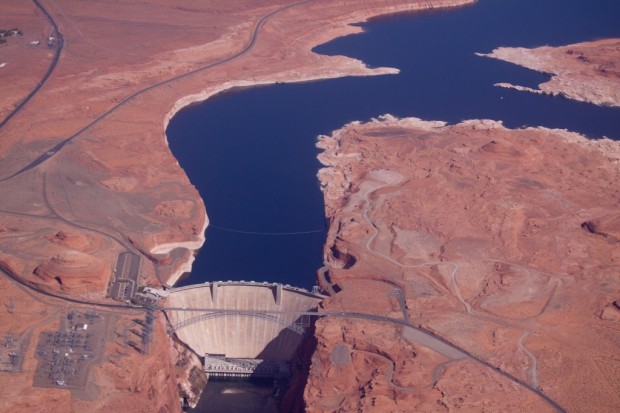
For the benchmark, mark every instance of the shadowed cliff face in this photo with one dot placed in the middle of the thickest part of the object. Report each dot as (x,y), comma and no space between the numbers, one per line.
(503,242)
(293,400)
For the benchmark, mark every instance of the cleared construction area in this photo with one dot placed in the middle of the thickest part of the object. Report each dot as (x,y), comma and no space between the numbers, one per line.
(241,325)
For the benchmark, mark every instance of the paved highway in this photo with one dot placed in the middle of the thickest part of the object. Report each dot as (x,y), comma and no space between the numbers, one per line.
(390,178)
(427,338)
(42,158)
(59,43)
(430,336)
(51,152)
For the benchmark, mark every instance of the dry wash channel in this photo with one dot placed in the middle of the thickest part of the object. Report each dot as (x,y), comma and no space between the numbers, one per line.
(243,329)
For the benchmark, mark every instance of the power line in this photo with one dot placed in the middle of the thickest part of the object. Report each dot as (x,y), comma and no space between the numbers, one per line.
(238,231)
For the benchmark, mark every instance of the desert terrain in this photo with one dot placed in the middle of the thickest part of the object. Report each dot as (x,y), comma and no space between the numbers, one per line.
(88,88)
(502,242)
(586,72)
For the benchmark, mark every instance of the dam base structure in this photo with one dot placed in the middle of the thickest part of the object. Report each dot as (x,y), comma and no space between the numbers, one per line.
(219,366)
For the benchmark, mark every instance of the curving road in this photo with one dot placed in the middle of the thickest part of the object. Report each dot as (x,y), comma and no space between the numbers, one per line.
(56,148)
(60,41)
(429,338)
(383,179)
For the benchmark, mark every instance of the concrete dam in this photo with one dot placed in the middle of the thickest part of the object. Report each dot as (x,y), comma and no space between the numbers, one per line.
(242,328)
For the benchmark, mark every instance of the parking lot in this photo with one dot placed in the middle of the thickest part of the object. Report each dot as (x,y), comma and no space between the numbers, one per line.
(125,280)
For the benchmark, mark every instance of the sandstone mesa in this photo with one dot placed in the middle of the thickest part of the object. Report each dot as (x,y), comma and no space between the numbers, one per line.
(504,242)
(586,72)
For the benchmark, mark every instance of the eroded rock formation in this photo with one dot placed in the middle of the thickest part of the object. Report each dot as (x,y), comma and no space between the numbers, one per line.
(502,242)
(587,72)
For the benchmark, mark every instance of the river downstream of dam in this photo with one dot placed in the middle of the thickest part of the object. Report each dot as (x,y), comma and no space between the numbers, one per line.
(251,153)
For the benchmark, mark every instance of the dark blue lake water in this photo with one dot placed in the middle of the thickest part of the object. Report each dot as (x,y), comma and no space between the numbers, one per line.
(251,153)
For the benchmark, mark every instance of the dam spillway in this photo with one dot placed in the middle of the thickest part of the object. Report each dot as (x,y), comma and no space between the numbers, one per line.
(241,320)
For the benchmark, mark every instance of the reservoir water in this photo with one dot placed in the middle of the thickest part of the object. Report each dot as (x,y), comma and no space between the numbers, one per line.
(251,152)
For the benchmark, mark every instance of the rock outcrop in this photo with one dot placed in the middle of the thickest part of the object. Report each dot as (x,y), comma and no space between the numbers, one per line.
(588,72)
(71,270)
(502,242)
